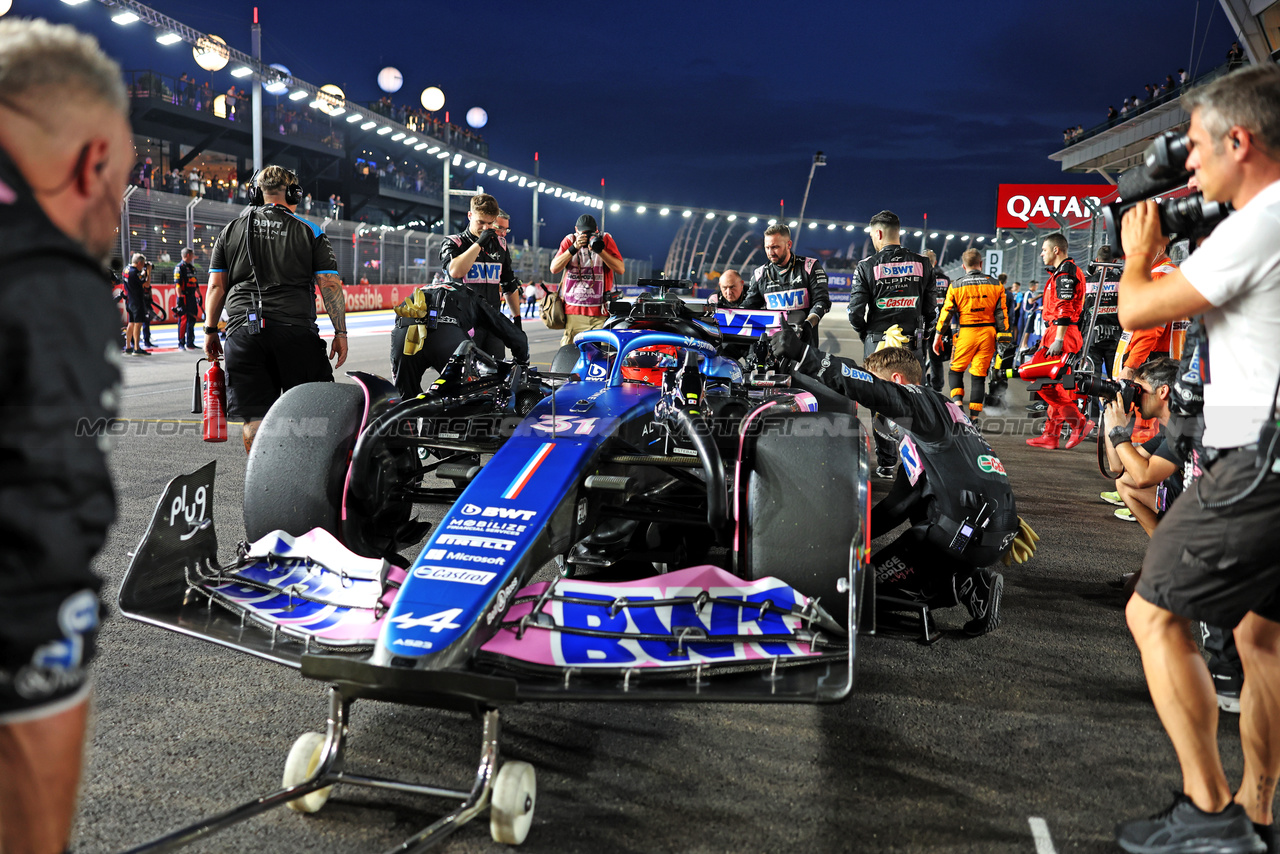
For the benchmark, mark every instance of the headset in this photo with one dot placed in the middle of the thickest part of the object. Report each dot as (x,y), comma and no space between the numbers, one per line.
(292,193)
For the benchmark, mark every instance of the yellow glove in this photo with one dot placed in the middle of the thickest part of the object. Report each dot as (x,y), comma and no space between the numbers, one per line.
(413,306)
(415,336)
(1023,547)
(893,337)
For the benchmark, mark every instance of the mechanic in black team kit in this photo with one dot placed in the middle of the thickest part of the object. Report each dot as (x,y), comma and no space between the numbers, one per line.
(437,318)
(789,282)
(951,487)
(478,258)
(891,299)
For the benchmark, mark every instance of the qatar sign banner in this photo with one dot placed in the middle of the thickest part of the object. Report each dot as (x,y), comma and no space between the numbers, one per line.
(1022,205)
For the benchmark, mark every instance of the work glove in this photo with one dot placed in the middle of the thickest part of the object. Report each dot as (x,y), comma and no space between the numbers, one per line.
(894,337)
(1055,348)
(515,318)
(785,344)
(1024,545)
(488,240)
(414,306)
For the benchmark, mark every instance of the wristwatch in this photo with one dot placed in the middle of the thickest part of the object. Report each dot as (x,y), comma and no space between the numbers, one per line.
(211,330)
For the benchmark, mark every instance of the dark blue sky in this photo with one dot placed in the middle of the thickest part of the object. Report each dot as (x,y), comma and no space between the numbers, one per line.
(920,105)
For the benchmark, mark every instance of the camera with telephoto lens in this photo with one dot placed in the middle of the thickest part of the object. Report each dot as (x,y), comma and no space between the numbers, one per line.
(595,240)
(1163,168)
(1105,389)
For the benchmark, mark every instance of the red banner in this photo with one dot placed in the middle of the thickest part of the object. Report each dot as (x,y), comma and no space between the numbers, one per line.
(359,298)
(1022,205)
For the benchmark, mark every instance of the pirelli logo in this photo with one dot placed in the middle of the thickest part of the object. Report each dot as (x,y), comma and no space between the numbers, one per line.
(896,302)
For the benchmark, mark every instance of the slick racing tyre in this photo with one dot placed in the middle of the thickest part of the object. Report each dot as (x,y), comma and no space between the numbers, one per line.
(802,501)
(564,359)
(298,464)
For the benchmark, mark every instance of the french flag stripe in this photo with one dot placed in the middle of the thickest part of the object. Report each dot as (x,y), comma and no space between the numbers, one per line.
(526,473)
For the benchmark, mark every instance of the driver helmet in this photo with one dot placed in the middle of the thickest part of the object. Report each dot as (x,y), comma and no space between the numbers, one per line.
(647,364)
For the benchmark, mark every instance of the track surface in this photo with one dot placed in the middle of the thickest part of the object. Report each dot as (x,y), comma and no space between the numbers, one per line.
(952,747)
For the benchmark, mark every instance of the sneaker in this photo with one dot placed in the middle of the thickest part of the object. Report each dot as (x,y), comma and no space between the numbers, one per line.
(1269,838)
(1112,498)
(141,352)
(128,351)
(1125,515)
(182,346)
(1049,442)
(1037,406)
(885,472)
(1184,828)
(980,593)
(1229,701)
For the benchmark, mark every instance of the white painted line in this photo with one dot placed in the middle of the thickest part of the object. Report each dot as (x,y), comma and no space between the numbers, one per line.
(161,391)
(1040,833)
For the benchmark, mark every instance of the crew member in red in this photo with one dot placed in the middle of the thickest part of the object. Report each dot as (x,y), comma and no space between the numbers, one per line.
(1063,302)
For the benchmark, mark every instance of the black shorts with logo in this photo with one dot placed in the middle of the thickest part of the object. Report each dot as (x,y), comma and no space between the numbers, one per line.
(1218,565)
(47,639)
(262,367)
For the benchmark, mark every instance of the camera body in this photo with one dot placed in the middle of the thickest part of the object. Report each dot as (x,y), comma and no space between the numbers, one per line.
(1163,169)
(1106,390)
(595,240)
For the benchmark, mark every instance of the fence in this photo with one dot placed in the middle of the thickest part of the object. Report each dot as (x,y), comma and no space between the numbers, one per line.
(159,224)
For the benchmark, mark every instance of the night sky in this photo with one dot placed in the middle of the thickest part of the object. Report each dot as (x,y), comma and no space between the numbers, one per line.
(922,106)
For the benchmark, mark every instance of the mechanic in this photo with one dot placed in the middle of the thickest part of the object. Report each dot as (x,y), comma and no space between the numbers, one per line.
(1213,557)
(891,291)
(502,225)
(137,303)
(978,301)
(949,479)
(789,282)
(732,291)
(264,267)
(1063,302)
(187,306)
(1106,328)
(589,259)
(478,260)
(1151,472)
(66,150)
(934,370)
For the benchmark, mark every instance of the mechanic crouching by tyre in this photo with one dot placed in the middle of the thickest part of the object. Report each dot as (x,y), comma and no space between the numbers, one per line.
(891,300)
(478,260)
(951,487)
(1063,303)
(264,267)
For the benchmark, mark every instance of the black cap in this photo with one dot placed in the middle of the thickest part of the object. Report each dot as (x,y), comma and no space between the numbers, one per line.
(586,222)
(888,218)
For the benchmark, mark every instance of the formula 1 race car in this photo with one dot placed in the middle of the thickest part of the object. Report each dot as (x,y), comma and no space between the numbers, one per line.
(702,531)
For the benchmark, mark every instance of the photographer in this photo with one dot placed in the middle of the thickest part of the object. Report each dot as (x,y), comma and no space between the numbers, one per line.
(137,302)
(1213,557)
(589,260)
(264,267)
(1151,477)
(949,480)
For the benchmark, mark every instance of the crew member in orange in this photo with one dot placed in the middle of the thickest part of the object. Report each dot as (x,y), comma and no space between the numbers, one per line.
(984,318)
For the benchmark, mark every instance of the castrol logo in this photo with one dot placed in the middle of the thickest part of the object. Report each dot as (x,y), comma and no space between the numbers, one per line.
(896,302)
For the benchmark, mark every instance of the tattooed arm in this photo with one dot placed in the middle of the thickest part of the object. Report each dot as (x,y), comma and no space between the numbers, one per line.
(335,302)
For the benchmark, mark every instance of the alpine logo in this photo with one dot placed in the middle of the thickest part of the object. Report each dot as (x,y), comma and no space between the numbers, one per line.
(488,543)
(896,302)
(991,465)
(498,512)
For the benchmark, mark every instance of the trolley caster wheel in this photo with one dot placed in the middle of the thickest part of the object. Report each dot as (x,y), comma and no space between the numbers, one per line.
(515,792)
(304,757)
(566,569)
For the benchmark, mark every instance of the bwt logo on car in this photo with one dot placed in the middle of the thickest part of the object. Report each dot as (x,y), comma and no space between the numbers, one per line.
(899,269)
(896,302)
(498,512)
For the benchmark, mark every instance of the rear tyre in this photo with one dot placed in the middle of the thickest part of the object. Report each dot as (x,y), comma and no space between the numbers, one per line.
(297,467)
(564,360)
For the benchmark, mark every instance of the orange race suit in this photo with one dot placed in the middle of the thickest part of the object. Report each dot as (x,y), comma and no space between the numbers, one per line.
(1063,303)
(979,301)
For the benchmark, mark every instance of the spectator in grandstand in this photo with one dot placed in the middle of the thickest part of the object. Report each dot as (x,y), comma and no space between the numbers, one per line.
(977,301)
(1235,56)
(230,101)
(66,150)
(589,260)
(891,297)
(1214,558)
(1063,302)
(731,291)
(1112,115)
(264,268)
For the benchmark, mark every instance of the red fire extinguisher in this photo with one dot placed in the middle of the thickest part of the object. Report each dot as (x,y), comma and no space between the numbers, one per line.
(210,397)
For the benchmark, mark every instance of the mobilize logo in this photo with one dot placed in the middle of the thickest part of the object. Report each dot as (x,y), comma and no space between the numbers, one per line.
(498,512)
(486,526)
(461,576)
(896,302)
(490,543)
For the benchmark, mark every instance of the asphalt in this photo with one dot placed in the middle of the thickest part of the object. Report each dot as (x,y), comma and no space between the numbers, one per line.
(965,745)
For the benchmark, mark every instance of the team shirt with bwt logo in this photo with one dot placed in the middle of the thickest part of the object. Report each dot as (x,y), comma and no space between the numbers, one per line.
(490,276)
(892,287)
(288,251)
(798,288)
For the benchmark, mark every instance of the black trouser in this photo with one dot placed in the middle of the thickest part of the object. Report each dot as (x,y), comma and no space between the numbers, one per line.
(937,367)
(887,435)
(489,343)
(407,370)
(913,569)
(1103,354)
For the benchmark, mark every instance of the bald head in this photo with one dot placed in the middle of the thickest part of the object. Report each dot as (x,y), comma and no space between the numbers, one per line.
(64,120)
(731,285)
